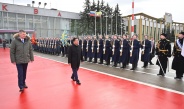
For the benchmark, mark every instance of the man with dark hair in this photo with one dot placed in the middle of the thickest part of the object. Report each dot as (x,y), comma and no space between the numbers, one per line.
(74,58)
(152,53)
(21,54)
(146,48)
(163,50)
(134,53)
(178,60)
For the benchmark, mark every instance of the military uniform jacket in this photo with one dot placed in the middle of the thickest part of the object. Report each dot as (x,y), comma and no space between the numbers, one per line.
(146,48)
(135,52)
(178,61)
(84,47)
(163,50)
(125,50)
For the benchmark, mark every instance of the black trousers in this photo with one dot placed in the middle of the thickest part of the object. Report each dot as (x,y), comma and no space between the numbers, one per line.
(22,71)
(179,74)
(161,71)
(75,74)
(145,64)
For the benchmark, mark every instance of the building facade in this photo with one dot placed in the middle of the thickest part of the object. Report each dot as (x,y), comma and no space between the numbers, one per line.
(151,26)
(45,22)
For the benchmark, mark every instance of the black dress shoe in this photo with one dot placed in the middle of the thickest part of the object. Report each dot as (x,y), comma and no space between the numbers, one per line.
(21,90)
(114,66)
(151,64)
(78,82)
(132,69)
(160,74)
(177,78)
(25,86)
(73,79)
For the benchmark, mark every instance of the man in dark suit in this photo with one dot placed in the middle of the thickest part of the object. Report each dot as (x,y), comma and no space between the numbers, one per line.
(74,58)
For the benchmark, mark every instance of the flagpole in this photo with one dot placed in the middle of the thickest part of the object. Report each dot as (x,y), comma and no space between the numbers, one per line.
(95,23)
(132,27)
(101,23)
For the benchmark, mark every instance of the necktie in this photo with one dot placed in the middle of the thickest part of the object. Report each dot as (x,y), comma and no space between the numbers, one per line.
(23,40)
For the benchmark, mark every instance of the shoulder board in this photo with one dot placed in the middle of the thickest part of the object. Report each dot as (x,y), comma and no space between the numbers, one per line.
(168,40)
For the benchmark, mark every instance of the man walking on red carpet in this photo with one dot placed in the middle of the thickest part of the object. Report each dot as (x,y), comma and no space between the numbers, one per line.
(21,54)
(74,58)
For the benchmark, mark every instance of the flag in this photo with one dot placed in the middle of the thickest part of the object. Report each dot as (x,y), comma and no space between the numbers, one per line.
(63,37)
(98,14)
(33,38)
(92,13)
(182,50)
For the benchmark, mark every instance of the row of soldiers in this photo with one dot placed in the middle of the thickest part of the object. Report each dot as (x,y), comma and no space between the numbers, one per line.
(52,46)
(124,50)
(120,50)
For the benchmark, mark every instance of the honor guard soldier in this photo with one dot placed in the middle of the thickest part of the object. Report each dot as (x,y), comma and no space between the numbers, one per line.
(108,50)
(89,50)
(84,50)
(58,47)
(134,52)
(163,50)
(145,52)
(128,59)
(125,51)
(116,50)
(95,46)
(178,53)
(100,49)
(152,52)
(81,44)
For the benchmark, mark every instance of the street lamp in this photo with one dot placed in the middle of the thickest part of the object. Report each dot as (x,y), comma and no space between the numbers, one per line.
(39,3)
(106,22)
(33,2)
(45,5)
(111,16)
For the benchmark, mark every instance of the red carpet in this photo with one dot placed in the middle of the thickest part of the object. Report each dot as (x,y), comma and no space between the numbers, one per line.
(50,87)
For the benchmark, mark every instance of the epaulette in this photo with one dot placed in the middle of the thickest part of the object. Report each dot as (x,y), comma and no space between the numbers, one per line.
(168,40)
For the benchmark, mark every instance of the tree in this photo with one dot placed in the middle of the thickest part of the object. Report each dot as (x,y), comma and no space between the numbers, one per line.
(84,22)
(87,23)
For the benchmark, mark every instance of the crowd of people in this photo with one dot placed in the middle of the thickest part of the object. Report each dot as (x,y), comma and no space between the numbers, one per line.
(120,50)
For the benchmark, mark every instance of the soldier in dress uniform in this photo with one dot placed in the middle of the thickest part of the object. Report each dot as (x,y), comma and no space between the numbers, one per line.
(152,53)
(178,60)
(89,52)
(58,47)
(134,52)
(128,58)
(100,49)
(4,43)
(62,48)
(116,50)
(145,52)
(44,45)
(108,50)
(84,49)
(95,46)
(125,51)
(163,50)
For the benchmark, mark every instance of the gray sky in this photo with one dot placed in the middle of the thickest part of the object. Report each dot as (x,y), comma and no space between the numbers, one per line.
(155,8)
